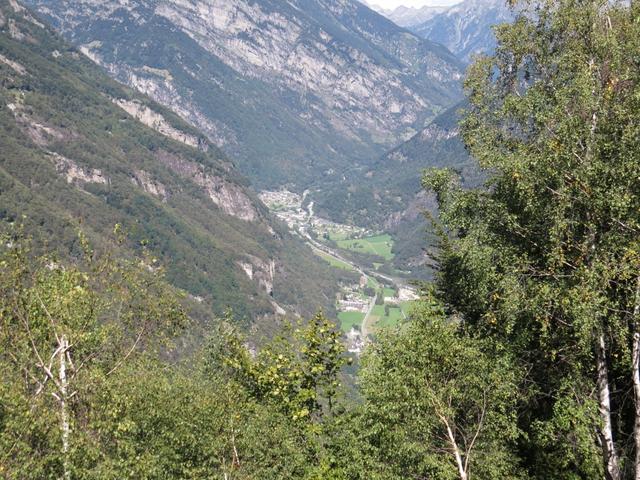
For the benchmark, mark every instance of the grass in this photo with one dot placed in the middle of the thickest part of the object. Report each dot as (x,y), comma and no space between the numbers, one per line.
(372,283)
(407,306)
(334,262)
(389,292)
(380,319)
(350,319)
(337,236)
(391,320)
(379,245)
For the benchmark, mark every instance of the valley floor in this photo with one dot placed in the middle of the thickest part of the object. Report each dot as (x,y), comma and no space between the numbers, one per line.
(377,300)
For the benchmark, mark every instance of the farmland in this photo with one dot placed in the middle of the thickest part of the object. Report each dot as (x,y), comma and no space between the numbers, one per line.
(333,261)
(384,316)
(348,320)
(380,245)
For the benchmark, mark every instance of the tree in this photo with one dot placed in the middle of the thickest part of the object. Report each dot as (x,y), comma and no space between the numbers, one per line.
(441,404)
(156,421)
(297,370)
(545,259)
(65,328)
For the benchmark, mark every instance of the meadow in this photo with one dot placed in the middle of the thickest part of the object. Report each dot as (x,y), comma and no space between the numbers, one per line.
(348,320)
(334,262)
(380,245)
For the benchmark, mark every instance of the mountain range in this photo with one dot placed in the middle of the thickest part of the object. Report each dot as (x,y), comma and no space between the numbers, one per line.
(224,98)
(407,16)
(80,151)
(466,28)
(295,91)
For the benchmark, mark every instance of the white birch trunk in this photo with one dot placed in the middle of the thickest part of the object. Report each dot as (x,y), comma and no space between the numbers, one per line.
(610,456)
(635,368)
(64,413)
(456,452)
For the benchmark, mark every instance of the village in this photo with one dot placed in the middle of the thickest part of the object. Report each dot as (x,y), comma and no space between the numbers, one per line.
(376,301)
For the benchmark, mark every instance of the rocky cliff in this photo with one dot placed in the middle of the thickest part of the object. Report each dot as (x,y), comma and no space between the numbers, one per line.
(79,150)
(295,90)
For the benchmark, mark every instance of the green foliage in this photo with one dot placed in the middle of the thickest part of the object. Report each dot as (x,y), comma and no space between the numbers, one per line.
(156,423)
(297,371)
(65,329)
(85,395)
(544,260)
(430,390)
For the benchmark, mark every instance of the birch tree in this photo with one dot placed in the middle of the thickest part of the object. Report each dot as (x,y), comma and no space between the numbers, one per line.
(443,404)
(65,328)
(546,257)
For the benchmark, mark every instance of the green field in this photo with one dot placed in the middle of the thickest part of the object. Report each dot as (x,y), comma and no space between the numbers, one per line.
(337,236)
(372,283)
(334,262)
(350,319)
(389,292)
(395,316)
(380,245)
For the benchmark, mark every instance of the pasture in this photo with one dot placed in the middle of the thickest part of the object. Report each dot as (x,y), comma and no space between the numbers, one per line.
(380,245)
(350,319)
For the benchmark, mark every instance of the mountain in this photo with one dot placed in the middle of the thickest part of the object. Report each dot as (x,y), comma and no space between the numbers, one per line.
(389,193)
(376,8)
(411,16)
(466,28)
(438,145)
(78,149)
(295,91)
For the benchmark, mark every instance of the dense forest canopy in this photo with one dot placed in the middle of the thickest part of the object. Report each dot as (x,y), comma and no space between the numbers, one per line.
(522,360)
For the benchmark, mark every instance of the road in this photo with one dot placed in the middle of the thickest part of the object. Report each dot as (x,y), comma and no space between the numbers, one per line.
(364,327)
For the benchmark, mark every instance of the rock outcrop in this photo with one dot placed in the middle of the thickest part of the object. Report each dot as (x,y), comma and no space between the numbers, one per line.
(74,174)
(309,86)
(228,196)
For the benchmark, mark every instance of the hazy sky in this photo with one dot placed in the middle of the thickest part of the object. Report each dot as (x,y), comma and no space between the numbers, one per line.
(411,3)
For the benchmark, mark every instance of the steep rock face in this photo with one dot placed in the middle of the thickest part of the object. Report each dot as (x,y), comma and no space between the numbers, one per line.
(153,187)
(78,148)
(261,271)
(408,16)
(74,174)
(154,120)
(466,28)
(309,86)
(229,197)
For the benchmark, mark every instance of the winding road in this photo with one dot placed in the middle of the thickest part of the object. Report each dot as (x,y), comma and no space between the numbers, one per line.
(314,244)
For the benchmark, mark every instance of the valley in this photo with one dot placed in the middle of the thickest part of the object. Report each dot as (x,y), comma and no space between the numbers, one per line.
(307,240)
(329,109)
(378,300)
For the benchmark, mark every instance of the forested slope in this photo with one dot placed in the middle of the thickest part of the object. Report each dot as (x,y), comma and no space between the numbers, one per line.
(77,149)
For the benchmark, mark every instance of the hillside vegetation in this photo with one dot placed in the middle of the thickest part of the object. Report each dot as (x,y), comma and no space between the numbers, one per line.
(75,152)
(521,361)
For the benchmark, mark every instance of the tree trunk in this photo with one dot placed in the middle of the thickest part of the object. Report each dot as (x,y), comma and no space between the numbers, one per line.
(610,456)
(635,366)
(456,451)
(64,412)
